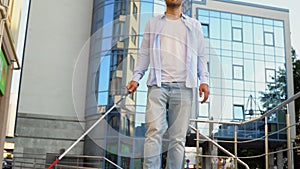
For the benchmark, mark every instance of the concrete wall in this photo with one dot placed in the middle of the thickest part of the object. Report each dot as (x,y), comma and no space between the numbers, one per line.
(57,31)
(47,120)
(41,134)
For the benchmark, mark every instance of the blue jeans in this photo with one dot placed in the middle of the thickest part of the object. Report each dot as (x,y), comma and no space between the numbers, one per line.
(179,101)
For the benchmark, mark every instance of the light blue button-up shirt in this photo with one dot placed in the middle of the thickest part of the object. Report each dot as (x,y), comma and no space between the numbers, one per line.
(149,53)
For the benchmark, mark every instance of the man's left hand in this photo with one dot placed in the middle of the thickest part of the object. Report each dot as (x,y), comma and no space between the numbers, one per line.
(204,90)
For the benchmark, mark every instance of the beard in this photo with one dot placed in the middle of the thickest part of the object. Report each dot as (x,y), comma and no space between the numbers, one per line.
(173,4)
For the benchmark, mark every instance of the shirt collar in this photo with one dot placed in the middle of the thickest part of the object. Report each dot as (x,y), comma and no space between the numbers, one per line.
(183,16)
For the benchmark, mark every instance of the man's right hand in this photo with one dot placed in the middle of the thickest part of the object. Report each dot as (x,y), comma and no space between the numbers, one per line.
(132,86)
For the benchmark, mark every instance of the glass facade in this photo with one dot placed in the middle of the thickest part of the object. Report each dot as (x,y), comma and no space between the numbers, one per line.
(244,53)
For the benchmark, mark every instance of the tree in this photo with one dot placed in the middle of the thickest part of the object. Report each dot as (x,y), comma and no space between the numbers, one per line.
(277,92)
(296,74)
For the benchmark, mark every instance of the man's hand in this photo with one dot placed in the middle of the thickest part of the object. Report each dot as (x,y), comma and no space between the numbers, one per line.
(132,86)
(203,88)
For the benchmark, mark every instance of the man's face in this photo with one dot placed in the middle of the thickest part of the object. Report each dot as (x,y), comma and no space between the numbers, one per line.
(173,3)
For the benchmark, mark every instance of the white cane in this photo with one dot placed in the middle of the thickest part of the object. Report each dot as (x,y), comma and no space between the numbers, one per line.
(85,133)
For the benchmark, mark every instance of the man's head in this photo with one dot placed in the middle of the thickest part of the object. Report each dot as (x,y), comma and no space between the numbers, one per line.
(173,3)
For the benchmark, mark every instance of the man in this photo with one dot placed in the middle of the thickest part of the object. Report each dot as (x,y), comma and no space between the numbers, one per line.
(173,46)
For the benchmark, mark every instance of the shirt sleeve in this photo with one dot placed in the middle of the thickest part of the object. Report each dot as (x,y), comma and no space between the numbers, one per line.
(143,58)
(202,71)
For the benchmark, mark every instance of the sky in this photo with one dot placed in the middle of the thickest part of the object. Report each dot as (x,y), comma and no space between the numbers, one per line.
(294,8)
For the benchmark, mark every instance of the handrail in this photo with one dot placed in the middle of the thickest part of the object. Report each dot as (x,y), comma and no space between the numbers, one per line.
(287,101)
(263,116)
(15,161)
(221,148)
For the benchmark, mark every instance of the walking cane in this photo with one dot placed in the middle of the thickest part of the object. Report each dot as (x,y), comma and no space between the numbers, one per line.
(85,133)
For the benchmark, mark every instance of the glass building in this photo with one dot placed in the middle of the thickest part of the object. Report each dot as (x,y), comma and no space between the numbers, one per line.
(247,45)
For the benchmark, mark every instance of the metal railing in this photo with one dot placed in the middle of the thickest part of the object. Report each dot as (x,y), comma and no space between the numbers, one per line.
(39,161)
(236,124)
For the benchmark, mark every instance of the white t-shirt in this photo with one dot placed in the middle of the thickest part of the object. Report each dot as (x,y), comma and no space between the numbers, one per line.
(173,51)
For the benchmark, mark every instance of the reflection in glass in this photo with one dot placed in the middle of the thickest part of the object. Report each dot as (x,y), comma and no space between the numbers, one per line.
(226,29)
(205,28)
(237,34)
(258,34)
(269,38)
(248,32)
(238,112)
(215,30)
(270,75)
(238,72)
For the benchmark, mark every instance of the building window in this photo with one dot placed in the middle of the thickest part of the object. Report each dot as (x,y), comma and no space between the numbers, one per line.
(237,34)
(238,72)
(270,75)
(133,36)
(132,63)
(238,112)
(134,10)
(116,60)
(205,28)
(269,38)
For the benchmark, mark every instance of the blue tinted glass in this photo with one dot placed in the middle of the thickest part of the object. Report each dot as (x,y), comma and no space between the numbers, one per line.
(215,43)
(203,12)
(259,57)
(225,15)
(247,18)
(237,46)
(104,74)
(238,112)
(108,17)
(237,24)
(215,66)
(237,61)
(237,34)
(236,17)
(227,53)
(204,19)
(268,28)
(248,48)
(248,55)
(214,14)
(280,52)
(103,98)
(259,49)
(269,58)
(279,37)
(269,50)
(269,38)
(278,23)
(226,29)
(227,67)
(268,22)
(259,68)
(258,34)
(270,64)
(141,98)
(226,45)
(248,70)
(215,28)
(237,54)
(270,75)
(205,29)
(248,32)
(257,20)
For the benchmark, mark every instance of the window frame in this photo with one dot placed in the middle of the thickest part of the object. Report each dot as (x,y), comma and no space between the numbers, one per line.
(233,68)
(234,114)
(273,39)
(205,25)
(241,33)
